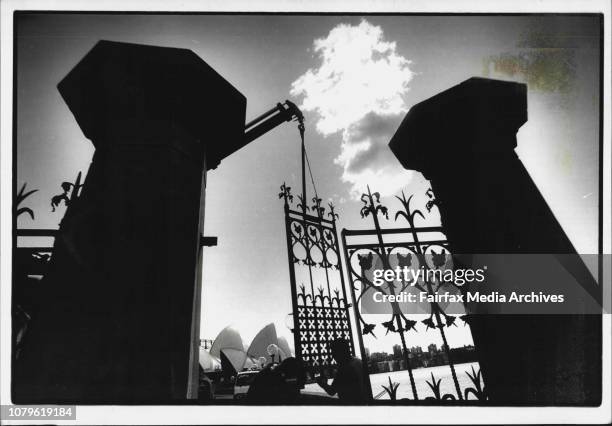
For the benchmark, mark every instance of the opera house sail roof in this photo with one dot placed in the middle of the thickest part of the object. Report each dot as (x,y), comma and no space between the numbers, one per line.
(228,349)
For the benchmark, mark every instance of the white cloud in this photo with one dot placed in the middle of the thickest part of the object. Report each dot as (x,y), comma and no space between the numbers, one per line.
(358,89)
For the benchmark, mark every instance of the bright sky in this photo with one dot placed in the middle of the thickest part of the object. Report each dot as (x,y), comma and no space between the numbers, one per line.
(354,78)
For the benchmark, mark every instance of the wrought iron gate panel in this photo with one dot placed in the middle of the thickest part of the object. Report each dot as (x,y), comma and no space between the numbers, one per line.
(367,250)
(317,282)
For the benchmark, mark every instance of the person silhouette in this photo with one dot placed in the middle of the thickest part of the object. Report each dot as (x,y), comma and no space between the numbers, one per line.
(348,383)
(277,384)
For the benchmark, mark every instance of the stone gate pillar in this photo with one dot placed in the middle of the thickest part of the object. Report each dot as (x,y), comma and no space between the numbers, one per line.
(121,316)
(462,140)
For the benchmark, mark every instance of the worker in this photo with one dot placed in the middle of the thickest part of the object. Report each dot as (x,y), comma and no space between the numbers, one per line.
(348,383)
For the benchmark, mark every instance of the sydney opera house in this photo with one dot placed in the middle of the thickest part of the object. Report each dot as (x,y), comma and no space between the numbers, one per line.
(230,354)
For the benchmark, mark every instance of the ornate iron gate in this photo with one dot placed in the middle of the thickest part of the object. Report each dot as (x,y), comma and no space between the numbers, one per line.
(423,248)
(320,308)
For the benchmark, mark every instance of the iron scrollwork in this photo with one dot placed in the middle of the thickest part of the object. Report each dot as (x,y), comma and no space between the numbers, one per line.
(420,248)
(317,281)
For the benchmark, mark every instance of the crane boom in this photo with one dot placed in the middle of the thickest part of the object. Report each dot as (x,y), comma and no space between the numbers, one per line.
(282,112)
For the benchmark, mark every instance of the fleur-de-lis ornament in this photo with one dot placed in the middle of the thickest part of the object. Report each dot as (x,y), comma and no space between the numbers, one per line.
(372,205)
(285,193)
(316,207)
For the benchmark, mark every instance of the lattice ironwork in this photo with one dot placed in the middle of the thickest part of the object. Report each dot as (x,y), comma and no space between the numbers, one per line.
(413,247)
(320,306)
